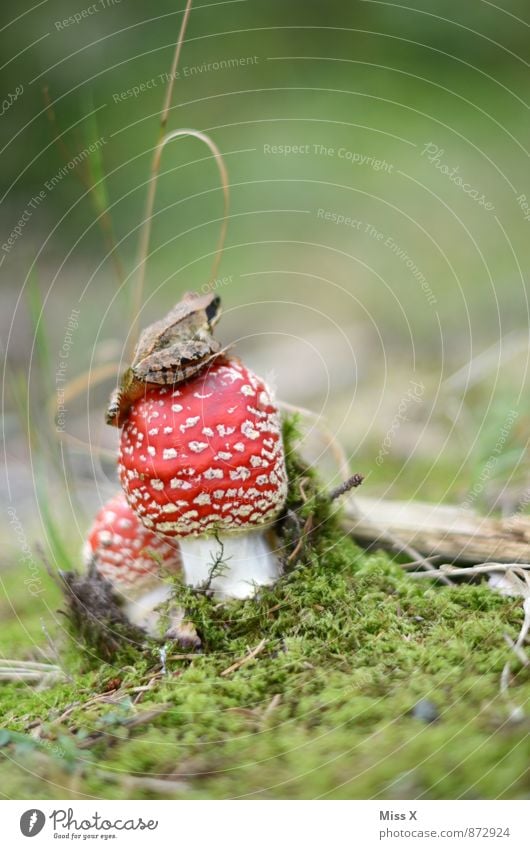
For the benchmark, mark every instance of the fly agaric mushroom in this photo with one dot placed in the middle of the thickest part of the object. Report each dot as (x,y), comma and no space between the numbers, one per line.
(131,558)
(203,461)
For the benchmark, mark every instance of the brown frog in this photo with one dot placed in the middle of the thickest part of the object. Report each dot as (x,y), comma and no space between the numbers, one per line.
(169,351)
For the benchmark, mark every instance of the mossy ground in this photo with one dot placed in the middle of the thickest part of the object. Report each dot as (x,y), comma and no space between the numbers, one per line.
(353,643)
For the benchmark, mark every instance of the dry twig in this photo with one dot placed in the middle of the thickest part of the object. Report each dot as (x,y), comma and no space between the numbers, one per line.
(352,483)
(246,659)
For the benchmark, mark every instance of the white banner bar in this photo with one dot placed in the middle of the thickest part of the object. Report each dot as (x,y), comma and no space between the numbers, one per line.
(266,824)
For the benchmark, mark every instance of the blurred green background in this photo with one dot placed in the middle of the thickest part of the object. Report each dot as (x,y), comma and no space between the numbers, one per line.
(356,264)
(340,318)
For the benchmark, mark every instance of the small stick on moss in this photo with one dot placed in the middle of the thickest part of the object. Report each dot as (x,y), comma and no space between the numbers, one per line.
(30,671)
(271,707)
(472,571)
(352,482)
(144,782)
(29,676)
(246,659)
(434,574)
(30,664)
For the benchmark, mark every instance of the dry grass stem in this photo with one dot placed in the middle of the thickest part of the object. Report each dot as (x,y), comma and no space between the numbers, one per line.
(245,659)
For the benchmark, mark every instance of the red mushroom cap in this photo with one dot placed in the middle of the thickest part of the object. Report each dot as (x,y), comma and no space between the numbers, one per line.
(127,553)
(205,457)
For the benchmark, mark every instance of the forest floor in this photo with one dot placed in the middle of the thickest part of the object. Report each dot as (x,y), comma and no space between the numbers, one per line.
(363,683)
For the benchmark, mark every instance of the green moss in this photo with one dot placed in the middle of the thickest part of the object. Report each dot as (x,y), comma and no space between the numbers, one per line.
(326,707)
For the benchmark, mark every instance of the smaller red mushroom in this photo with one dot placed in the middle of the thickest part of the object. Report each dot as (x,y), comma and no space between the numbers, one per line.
(204,462)
(132,558)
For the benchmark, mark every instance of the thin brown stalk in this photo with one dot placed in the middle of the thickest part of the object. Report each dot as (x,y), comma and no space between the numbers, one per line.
(145,234)
(155,170)
(173,73)
(352,482)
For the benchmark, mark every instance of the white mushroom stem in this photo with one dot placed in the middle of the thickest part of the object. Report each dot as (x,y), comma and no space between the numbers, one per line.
(143,609)
(234,566)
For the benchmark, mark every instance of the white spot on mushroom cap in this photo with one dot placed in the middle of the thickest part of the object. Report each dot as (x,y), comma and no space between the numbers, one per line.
(230,374)
(248,430)
(178,483)
(260,414)
(157,484)
(151,450)
(223,455)
(241,473)
(197,447)
(105,537)
(177,408)
(202,498)
(191,421)
(210,474)
(247,390)
(169,453)
(224,430)
(244,510)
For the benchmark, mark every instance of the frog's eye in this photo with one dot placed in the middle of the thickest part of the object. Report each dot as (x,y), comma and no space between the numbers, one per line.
(213,308)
